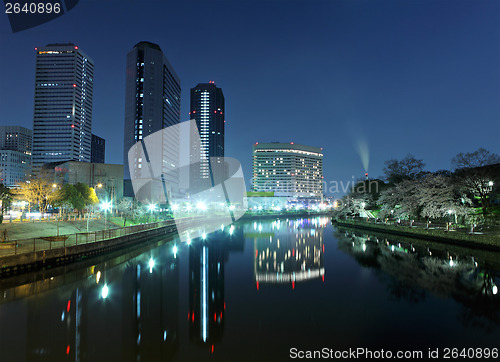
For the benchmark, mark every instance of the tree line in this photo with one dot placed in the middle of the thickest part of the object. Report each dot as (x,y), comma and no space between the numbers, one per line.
(40,194)
(409,192)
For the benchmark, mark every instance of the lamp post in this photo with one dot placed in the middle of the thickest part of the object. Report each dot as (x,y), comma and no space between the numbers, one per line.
(152,208)
(54,187)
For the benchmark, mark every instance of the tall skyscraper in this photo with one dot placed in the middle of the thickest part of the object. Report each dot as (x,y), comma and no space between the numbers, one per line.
(207,108)
(152,102)
(15,155)
(62,120)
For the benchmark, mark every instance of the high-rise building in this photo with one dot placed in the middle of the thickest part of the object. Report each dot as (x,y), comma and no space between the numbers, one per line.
(62,120)
(207,108)
(15,155)
(16,138)
(152,102)
(98,149)
(288,169)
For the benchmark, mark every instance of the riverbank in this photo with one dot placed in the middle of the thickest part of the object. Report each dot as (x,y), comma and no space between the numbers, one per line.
(260,216)
(479,241)
(41,253)
(37,229)
(40,229)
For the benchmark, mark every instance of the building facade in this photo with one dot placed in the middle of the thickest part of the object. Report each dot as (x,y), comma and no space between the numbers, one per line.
(16,138)
(105,178)
(15,155)
(288,169)
(208,110)
(62,119)
(152,103)
(98,149)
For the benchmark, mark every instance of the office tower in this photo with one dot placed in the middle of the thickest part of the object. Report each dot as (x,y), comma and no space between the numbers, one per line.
(152,103)
(98,149)
(62,120)
(207,108)
(15,155)
(16,138)
(288,169)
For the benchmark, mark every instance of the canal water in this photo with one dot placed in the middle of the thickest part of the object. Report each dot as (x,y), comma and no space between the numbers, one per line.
(258,291)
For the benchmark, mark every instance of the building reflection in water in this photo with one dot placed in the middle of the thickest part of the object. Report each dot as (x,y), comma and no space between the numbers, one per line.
(207,304)
(127,311)
(127,308)
(288,251)
(154,286)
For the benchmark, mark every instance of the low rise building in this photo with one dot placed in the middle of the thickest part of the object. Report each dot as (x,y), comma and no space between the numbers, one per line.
(105,178)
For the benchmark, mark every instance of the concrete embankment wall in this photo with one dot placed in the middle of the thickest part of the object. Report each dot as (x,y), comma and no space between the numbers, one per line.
(470,241)
(32,261)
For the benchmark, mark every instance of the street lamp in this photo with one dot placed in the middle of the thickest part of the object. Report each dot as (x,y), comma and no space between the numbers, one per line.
(106,206)
(54,187)
(151,208)
(201,206)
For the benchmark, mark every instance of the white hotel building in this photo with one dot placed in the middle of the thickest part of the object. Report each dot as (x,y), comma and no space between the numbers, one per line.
(288,169)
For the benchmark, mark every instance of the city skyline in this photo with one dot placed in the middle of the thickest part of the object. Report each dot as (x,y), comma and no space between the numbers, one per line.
(418,80)
(248,180)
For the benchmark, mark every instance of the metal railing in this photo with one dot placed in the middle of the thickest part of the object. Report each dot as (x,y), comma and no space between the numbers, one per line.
(62,241)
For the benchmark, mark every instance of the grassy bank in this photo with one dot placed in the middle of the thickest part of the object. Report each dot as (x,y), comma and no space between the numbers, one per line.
(491,242)
(36,229)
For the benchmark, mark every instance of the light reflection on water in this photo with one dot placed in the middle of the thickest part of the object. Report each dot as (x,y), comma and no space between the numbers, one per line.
(251,292)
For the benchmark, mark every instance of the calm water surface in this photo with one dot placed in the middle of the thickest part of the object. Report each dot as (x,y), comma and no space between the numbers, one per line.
(253,292)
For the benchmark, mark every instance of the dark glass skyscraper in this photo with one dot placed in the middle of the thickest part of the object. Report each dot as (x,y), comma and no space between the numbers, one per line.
(152,99)
(62,120)
(207,108)
(98,149)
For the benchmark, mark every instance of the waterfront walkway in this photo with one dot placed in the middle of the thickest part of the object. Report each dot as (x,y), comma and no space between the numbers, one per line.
(28,229)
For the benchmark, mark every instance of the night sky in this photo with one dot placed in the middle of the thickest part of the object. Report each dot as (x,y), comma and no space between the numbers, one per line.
(397,77)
